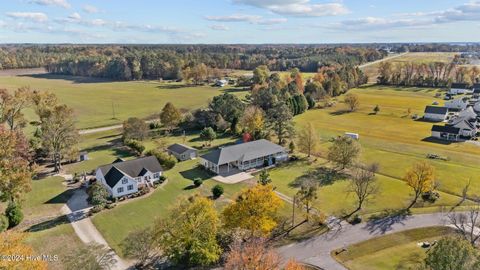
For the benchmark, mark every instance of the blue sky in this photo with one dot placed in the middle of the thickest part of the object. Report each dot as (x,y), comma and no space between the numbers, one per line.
(238,21)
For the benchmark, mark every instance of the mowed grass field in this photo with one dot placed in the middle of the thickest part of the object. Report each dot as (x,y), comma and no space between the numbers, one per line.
(92,99)
(394,251)
(395,141)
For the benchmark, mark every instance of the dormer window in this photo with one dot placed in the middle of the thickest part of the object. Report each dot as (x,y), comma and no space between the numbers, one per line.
(124,181)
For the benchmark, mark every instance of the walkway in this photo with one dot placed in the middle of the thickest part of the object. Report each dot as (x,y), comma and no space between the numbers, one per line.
(76,209)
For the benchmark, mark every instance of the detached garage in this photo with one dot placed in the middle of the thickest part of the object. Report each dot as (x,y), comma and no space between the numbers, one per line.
(182,152)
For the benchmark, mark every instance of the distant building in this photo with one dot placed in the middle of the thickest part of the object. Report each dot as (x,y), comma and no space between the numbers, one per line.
(122,178)
(435,113)
(83,156)
(244,156)
(182,152)
(459,88)
(221,83)
(354,136)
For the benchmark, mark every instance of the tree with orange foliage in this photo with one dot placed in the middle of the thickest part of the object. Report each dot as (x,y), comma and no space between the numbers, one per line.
(421,178)
(294,265)
(253,254)
(12,243)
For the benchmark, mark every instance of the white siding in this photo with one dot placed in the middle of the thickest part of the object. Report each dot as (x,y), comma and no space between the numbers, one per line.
(434,117)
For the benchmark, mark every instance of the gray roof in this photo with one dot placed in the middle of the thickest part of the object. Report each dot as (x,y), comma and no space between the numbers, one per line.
(243,152)
(467,114)
(459,85)
(133,168)
(436,110)
(476,86)
(180,148)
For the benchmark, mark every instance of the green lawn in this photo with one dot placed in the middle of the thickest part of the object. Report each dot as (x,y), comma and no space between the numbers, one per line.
(115,224)
(394,251)
(92,98)
(46,198)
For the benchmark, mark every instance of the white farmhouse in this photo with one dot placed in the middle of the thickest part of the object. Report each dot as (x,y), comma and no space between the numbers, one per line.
(435,113)
(126,177)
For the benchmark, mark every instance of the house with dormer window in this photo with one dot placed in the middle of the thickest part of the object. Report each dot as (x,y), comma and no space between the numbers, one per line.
(122,178)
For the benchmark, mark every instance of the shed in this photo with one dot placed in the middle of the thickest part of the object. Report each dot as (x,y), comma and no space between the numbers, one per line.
(83,156)
(182,152)
(354,136)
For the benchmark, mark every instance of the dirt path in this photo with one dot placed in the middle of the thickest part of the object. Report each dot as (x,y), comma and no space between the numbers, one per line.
(76,209)
(381,60)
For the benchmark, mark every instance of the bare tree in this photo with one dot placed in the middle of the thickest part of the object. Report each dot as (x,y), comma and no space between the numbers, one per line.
(467,223)
(306,196)
(363,184)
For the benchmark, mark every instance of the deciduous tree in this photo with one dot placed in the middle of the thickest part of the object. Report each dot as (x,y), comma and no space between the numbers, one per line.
(363,184)
(59,134)
(13,243)
(343,151)
(352,101)
(307,139)
(421,178)
(452,253)
(170,116)
(187,235)
(255,209)
(141,246)
(253,254)
(90,257)
(208,134)
(134,128)
(253,119)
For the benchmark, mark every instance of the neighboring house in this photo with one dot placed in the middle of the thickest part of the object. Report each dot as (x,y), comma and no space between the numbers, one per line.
(435,113)
(476,89)
(466,128)
(125,177)
(446,133)
(182,152)
(244,156)
(459,88)
(221,83)
(476,107)
(459,103)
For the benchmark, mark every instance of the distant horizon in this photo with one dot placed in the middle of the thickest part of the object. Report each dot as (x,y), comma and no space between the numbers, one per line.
(261,44)
(238,22)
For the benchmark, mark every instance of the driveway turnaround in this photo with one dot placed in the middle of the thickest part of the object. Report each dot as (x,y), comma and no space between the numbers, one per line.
(316,251)
(76,210)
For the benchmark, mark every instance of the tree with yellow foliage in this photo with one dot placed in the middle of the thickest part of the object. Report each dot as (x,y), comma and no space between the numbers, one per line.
(253,119)
(255,210)
(308,140)
(12,243)
(421,178)
(188,234)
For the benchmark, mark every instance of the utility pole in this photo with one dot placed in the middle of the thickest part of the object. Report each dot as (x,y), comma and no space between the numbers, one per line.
(293,210)
(113,111)
(184,137)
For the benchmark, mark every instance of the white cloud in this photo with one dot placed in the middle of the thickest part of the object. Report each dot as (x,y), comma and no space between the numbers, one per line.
(90,9)
(253,19)
(374,23)
(299,8)
(219,27)
(59,3)
(75,16)
(32,16)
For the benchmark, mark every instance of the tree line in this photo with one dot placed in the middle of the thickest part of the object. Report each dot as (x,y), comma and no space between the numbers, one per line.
(134,62)
(433,74)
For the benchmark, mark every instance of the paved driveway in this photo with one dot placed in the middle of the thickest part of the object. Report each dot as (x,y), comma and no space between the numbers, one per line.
(316,251)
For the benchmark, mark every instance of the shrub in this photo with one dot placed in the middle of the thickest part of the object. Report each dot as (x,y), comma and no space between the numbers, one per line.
(430,196)
(3,223)
(217,191)
(162,178)
(197,182)
(14,214)
(97,195)
(355,220)
(111,205)
(135,146)
(96,209)
(167,161)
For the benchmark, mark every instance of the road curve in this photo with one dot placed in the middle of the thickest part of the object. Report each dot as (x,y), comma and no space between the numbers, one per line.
(316,250)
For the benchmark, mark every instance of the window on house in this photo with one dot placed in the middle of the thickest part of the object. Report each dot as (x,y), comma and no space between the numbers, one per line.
(120,190)
(124,181)
(130,187)
(156,175)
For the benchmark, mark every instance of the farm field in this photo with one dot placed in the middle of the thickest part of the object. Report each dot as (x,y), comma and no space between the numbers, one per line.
(92,99)
(418,57)
(395,251)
